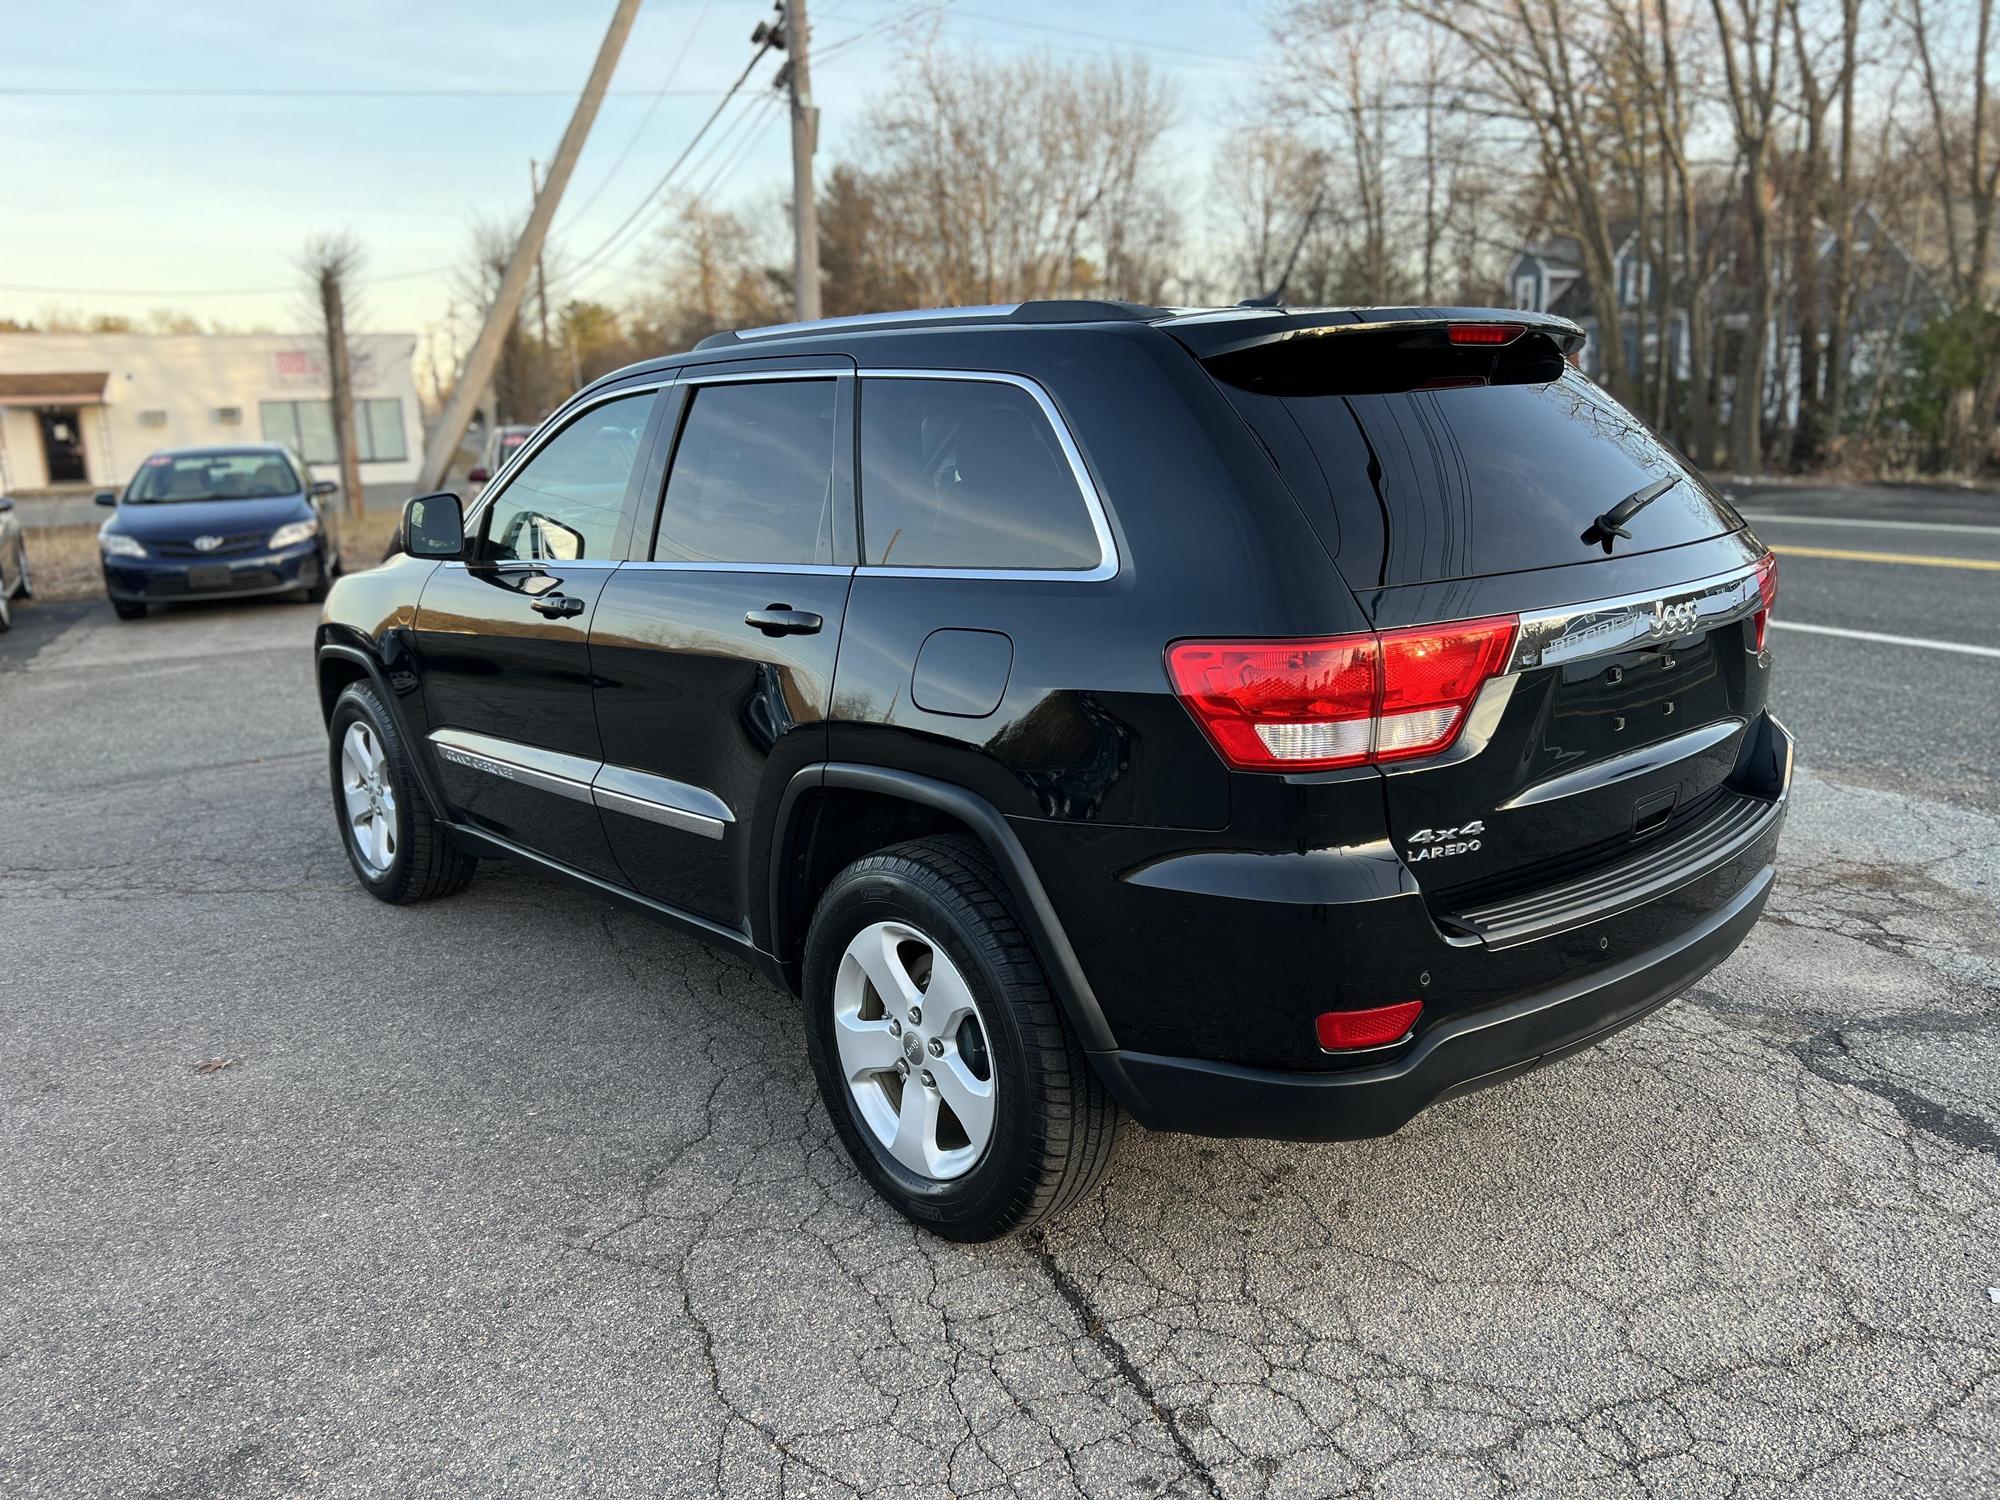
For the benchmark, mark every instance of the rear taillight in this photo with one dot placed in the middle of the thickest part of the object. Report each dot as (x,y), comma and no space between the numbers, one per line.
(1767,585)
(1346,1030)
(1341,701)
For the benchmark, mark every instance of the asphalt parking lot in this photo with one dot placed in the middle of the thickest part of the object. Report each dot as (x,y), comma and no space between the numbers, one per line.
(519,1194)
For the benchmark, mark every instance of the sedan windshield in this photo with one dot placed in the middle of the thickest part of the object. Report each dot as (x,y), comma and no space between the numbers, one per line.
(212,476)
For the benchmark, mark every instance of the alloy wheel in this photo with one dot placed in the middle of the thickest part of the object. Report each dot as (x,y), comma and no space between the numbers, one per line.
(370,797)
(914,1051)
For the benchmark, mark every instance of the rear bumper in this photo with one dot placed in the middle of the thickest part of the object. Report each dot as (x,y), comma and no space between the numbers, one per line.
(1520,1002)
(1468,1052)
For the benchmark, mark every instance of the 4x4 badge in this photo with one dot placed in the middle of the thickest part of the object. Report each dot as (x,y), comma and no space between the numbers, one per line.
(1441,843)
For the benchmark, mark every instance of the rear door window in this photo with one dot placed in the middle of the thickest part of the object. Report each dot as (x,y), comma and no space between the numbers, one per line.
(752,477)
(1466,479)
(967,474)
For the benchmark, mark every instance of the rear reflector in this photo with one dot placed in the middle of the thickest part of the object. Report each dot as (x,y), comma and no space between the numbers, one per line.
(1767,585)
(1486,333)
(1345,1030)
(1350,700)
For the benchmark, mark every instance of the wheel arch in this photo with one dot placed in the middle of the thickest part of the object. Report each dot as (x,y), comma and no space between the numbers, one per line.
(339,665)
(808,848)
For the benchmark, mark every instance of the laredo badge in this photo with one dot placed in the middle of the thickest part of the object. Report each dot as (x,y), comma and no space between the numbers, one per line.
(1437,843)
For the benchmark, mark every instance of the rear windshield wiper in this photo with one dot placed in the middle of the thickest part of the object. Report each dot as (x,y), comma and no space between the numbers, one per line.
(1612,523)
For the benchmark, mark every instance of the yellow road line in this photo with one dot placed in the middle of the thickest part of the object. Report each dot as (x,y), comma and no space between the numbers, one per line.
(1909,559)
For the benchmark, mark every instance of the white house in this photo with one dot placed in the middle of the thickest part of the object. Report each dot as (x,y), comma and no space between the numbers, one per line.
(84,409)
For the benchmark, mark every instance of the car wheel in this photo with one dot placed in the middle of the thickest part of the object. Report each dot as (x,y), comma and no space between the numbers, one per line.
(6,609)
(129,609)
(398,850)
(943,1058)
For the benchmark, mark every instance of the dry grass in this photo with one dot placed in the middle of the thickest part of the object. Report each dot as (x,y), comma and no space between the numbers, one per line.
(65,564)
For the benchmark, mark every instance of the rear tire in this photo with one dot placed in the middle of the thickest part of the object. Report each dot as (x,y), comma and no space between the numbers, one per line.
(26,589)
(936,918)
(129,609)
(399,852)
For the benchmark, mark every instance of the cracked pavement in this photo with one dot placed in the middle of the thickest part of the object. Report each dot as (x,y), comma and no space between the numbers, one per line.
(520,1194)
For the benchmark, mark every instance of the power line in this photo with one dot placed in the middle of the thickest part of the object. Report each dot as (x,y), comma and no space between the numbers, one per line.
(210,291)
(147,91)
(651,199)
(1146,44)
(644,120)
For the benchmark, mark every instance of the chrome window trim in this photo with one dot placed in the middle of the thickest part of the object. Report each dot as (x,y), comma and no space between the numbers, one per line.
(1629,622)
(1107,565)
(684,565)
(544,435)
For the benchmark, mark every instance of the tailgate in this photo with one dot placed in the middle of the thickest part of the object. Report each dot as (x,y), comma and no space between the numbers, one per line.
(1620,723)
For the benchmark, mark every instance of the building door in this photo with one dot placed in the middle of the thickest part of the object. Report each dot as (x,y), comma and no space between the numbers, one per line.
(62,445)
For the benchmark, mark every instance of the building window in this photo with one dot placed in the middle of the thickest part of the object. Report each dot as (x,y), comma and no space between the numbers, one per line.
(229,416)
(154,418)
(306,427)
(1524,293)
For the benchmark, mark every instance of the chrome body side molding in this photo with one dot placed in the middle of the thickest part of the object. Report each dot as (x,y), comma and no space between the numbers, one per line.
(545,770)
(660,799)
(639,794)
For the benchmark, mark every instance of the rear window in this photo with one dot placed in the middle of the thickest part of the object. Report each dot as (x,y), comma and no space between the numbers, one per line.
(1477,475)
(967,474)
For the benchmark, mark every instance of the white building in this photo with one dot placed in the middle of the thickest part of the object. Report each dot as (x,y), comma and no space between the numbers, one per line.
(84,409)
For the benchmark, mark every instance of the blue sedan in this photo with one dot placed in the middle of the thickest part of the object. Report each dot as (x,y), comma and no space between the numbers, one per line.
(218,523)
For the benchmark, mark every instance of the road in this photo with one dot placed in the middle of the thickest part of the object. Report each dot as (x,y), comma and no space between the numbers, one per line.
(520,1194)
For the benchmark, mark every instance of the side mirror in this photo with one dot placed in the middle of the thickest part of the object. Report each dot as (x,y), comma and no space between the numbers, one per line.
(105,497)
(434,527)
(6,503)
(479,475)
(325,487)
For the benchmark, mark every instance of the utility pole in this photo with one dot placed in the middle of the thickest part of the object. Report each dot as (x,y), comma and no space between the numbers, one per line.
(792,34)
(506,307)
(541,274)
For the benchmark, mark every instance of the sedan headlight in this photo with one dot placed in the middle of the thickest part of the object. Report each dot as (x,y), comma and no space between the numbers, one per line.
(291,534)
(117,544)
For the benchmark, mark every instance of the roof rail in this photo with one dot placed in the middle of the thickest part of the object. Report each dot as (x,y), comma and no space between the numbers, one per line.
(1082,310)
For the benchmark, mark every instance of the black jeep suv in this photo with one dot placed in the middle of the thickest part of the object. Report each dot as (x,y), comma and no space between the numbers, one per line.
(1261,722)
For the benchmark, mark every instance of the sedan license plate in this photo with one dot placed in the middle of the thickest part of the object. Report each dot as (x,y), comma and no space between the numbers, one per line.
(209,578)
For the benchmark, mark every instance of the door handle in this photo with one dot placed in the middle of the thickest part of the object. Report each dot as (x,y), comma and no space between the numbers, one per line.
(782,619)
(556,606)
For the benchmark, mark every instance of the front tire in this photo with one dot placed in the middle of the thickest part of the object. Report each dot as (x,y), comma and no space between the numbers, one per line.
(941,1054)
(316,591)
(399,852)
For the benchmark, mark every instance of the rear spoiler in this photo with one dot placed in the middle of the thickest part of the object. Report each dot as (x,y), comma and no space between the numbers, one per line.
(1210,335)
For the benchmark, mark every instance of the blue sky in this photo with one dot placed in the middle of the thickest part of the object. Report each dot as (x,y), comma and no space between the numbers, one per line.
(170,195)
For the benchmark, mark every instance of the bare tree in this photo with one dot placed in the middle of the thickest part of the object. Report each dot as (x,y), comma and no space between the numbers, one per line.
(331,263)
